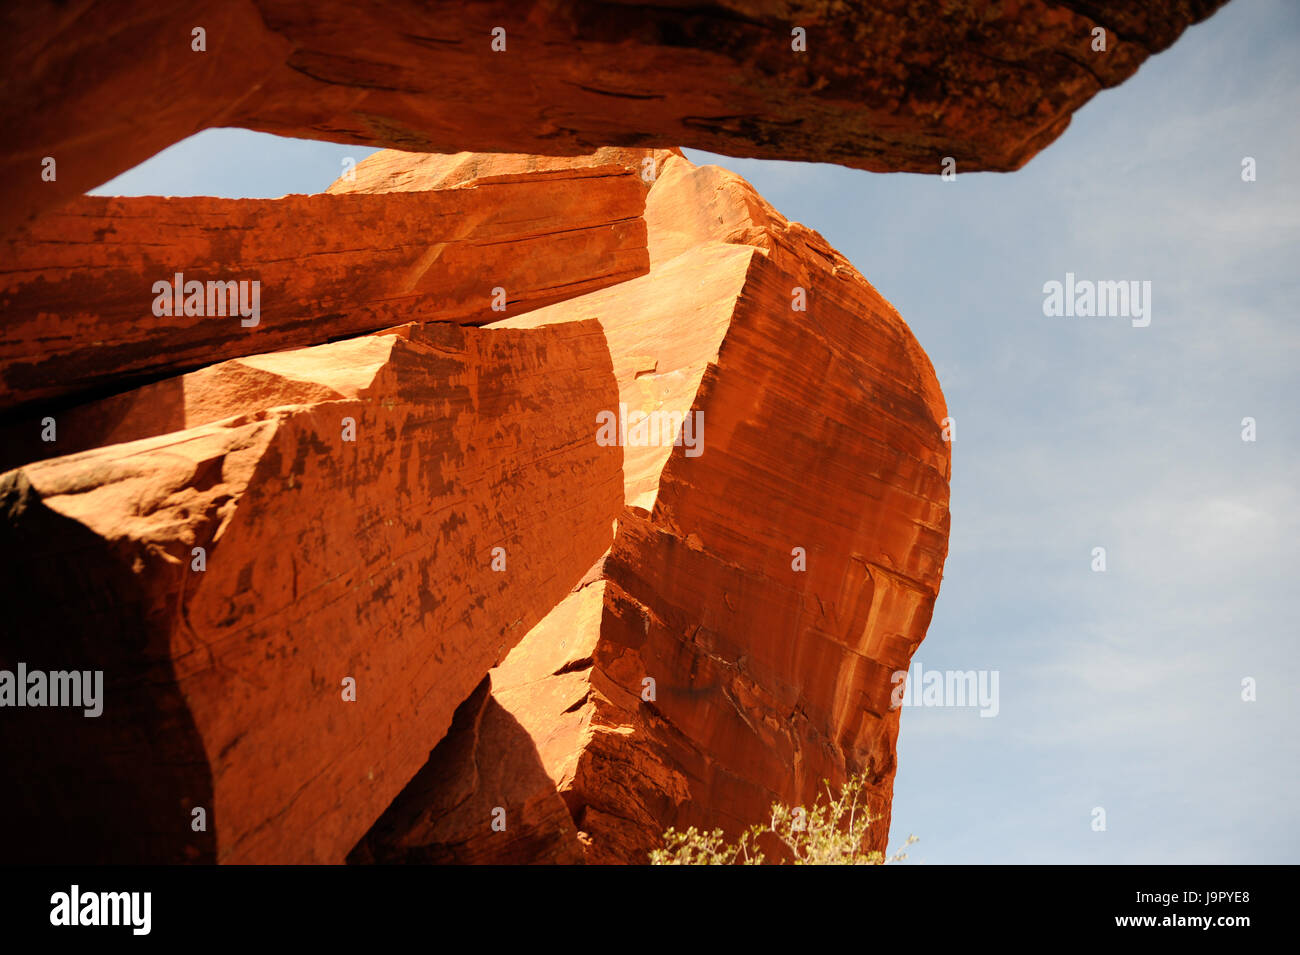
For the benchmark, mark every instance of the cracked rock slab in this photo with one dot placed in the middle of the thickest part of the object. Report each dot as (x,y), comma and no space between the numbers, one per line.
(890,86)
(82,314)
(385,516)
(769,587)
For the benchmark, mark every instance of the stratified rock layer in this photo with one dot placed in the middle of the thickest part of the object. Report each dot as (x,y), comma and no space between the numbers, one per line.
(886,86)
(79,313)
(395,510)
(768,587)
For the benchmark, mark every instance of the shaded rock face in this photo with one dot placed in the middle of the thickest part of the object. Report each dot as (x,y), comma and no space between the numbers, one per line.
(81,312)
(488,772)
(290,580)
(712,662)
(887,86)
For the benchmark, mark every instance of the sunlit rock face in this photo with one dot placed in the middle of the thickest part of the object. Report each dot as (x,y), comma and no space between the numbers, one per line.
(290,575)
(105,292)
(770,573)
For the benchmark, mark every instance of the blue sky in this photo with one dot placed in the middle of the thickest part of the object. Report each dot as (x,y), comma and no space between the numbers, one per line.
(1122,689)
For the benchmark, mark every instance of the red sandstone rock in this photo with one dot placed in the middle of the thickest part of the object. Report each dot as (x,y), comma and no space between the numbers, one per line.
(822,431)
(78,293)
(391,170)
(326,558)
(482,797)
(887,86)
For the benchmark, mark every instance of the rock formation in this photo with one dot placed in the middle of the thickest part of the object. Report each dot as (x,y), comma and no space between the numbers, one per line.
(290,578)
(81,313)
(768,644)
(389,171)
(887,86)
(373,570)
(488,764)
(230,544)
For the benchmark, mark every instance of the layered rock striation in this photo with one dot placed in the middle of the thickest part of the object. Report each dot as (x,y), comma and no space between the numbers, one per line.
(290,574)
(886,86)
(770,572)
(485,508)
(644,557)
(106,292)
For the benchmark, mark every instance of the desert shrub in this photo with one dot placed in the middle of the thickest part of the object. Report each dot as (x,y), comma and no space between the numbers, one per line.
(832,832)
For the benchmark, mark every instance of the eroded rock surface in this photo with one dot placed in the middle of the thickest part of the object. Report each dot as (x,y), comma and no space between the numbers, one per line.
(886,86)
(395,510)
(770,584)
(80,313)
